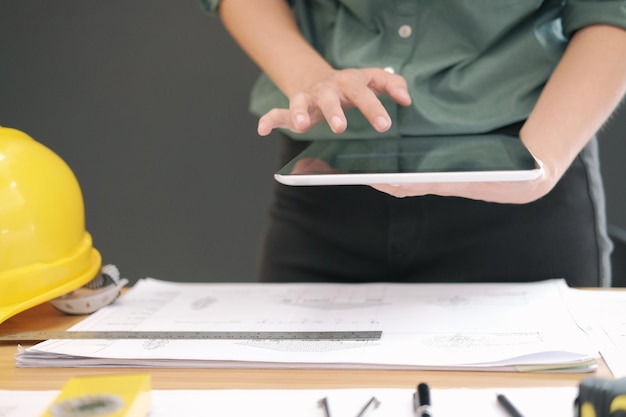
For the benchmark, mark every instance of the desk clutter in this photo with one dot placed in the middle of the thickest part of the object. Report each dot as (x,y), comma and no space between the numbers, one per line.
(544,402)
(130,396)
(522,327)
(543,326)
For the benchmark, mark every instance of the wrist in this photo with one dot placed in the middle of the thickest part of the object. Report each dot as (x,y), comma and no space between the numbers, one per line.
(547,156)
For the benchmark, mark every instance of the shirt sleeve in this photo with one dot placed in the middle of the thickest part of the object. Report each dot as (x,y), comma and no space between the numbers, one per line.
(580,13)
(210,6)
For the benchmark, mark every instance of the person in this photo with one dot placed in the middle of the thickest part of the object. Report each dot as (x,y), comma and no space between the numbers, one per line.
(550,71)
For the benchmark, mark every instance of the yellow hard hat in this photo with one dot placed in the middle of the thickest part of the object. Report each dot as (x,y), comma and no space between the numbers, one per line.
(45,251)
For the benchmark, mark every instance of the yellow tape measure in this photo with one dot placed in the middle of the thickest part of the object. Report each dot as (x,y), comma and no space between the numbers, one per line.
(103,396)
(600,397)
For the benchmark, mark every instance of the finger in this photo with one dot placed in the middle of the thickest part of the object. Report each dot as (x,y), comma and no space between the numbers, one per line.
(382,81)
(405,190)
(391,189)
(299,112)
(264,127)
(368,104)
(361,89)
(400,95)
(329,104)
(274,119)
(495,192)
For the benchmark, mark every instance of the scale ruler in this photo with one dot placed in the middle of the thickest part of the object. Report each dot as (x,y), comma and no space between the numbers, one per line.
(192,335)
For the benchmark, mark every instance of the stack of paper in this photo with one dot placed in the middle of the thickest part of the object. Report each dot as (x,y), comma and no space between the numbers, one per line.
(521,327)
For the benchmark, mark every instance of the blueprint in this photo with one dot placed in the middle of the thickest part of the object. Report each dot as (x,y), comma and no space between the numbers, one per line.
(521,327)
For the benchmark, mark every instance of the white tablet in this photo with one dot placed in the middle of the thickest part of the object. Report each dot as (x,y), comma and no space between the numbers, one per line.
(463,158)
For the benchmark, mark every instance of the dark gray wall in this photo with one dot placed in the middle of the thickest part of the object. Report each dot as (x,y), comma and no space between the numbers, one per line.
(146,100)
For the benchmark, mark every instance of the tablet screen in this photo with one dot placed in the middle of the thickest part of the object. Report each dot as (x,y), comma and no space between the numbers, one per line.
(411,159)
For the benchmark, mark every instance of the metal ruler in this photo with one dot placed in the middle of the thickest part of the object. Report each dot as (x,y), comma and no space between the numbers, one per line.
(191,335)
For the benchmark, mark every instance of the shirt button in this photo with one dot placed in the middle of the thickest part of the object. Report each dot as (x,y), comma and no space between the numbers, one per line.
(405,31)
(390,70)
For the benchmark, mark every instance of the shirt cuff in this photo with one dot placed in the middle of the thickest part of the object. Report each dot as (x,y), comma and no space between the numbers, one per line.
(580,13)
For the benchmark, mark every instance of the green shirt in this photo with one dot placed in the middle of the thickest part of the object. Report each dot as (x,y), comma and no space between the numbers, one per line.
(471,65)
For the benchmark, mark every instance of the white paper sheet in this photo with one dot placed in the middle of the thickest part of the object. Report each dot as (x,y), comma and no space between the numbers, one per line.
(603,316)
(425,326)
(536,402)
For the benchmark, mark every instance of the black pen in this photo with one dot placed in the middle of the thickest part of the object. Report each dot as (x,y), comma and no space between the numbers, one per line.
(421,401)
(508,406)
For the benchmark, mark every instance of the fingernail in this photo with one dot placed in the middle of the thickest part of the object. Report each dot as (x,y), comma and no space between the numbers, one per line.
(403,94)
(382,123)
(336,122)
(264,128)
(299,119)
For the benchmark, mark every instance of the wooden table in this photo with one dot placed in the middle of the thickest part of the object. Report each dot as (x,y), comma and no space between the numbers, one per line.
(45,317)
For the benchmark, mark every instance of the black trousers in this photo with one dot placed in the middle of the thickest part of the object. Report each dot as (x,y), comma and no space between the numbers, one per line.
(357,234)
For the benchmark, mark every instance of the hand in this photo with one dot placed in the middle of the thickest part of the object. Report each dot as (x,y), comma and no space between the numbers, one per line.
(518,192)
(327,98)
(513,192)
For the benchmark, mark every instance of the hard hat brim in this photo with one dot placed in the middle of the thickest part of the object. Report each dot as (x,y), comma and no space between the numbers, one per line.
(92,269)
